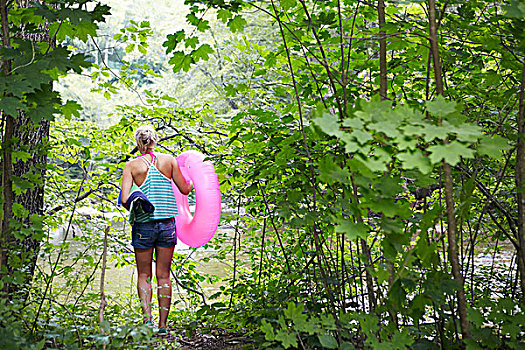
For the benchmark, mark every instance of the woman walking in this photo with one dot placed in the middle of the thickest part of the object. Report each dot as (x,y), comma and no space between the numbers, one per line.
(151,174)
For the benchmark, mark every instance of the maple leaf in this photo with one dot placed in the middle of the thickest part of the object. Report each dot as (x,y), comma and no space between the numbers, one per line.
(329,124)
(237,24)
(351,229)
(440,107)
(451,153)
(415,160)
(492,146)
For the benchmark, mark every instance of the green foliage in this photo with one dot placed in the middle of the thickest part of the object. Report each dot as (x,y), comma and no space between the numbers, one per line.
(342,168)
(496,324)
(135,36)
(323,179)
(314,331)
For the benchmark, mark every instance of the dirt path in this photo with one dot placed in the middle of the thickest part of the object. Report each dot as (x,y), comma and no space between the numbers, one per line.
(229,341)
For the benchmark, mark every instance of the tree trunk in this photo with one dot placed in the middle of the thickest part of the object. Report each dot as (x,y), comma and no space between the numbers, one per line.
(7,165)
(382,50)
(31,137)
(520,186)
(34,137)
(449,193)
(372,302)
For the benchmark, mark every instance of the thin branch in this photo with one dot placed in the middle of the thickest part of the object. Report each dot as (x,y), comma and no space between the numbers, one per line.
(118,77)
(103,302)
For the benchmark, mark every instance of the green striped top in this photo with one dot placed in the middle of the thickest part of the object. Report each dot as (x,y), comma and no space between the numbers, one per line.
(157,188)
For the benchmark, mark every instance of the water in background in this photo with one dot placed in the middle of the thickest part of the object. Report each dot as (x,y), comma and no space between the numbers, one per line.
(121,280)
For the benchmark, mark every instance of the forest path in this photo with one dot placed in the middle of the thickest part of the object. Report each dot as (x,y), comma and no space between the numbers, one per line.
(216,339)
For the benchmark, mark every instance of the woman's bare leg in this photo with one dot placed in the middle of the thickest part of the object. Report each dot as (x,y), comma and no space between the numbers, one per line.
(163,267)
(144,259)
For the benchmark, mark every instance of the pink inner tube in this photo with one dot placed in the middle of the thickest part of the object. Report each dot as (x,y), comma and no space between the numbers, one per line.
(196,230)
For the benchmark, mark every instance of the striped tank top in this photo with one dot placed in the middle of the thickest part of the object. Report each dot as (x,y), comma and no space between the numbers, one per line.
(157,188)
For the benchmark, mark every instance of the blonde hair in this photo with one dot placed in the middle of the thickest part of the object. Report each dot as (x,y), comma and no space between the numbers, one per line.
(146,138)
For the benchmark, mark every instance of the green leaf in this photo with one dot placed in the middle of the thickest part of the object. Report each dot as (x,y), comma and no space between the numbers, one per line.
(361,136)
(473,344)
(287,338)
(372,163)
(17,84)
(389,208)
(84,29)
(406,143)
(347,346)
(382,272)
(173,39)
(352,146)
(369,323)
(191,42)
(62,30)
(129,48)
(19,211)
(267,328)
(237,24)
(512,330)
(401,340)
(493,146)
(354,123)
(389,187)
(224,15)
(440,107)
(425,252)
(329,124)
(386,127)
(10,105)
(331,172)
(293,310)
(476,317)
(192,19)
(288,4)
(142,49)
(432,132)
(71,108)
(328,322)
(515,9)
(351,230)
(295,313)
(180,61)
(328,341)
(305,325)
(465,132)
(451,153)
(413,130)
(21,185)
(270,60)
(415,160)
(20,155)
(202,52)
(259,72)
(375,110)
(105,325)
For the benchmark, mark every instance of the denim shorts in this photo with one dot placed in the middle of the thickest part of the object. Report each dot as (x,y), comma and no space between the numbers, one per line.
(156,233)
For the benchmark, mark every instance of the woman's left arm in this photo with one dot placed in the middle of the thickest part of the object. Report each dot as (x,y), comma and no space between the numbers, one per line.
(179,180)
(127,182)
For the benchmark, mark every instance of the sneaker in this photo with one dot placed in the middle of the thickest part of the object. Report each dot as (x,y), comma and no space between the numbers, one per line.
(162,330)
